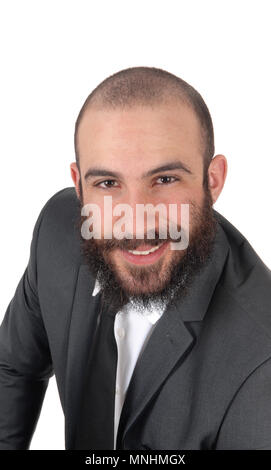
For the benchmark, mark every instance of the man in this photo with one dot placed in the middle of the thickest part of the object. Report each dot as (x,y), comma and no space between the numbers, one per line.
(190,360)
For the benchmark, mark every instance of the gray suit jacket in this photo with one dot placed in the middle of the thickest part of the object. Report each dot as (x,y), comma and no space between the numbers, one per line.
(204,378)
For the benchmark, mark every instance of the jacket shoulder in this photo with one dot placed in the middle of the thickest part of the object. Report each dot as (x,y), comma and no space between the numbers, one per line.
(246,277)
(63,200)
(59,235)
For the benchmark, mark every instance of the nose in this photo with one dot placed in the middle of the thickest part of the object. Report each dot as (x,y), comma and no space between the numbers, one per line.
(137,196)
(140,217)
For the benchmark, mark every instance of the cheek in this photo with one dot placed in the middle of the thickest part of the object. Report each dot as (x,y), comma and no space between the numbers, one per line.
(178,211)
(99,211)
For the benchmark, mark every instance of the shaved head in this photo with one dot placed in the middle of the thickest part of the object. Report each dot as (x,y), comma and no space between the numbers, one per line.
(149,86)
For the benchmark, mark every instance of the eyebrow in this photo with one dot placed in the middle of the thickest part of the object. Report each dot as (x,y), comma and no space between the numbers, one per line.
(177,165)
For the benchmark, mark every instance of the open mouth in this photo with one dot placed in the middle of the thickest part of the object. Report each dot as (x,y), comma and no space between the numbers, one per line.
(145,254)
(138,252)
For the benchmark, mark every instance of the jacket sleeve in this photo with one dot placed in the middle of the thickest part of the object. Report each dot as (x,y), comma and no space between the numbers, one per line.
(25,359)
(247,423)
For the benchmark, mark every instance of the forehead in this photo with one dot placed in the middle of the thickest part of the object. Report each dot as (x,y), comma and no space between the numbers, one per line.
(140,134)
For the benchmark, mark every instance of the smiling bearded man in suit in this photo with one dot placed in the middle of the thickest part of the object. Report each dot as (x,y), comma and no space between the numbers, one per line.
(151,348)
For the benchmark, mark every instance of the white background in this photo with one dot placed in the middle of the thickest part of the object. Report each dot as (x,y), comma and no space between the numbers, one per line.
(53,53)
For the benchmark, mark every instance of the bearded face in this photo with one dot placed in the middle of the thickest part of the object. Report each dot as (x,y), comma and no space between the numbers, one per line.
(166,277)
(150,155)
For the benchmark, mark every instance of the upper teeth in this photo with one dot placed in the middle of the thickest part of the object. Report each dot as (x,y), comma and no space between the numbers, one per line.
(136,252)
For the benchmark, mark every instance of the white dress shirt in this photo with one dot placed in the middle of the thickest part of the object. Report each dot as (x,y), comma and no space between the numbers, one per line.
(132,330)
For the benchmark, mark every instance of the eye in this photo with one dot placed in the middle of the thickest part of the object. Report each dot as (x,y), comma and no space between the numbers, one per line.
(106,186)
(167,179)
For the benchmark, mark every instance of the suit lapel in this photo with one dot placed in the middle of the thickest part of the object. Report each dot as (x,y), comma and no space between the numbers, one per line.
(84,314)
(169,342)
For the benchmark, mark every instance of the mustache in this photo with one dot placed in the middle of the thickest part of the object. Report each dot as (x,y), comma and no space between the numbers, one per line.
(131,243)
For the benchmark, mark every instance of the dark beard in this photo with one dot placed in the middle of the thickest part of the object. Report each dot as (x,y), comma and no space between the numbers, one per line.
(179,275)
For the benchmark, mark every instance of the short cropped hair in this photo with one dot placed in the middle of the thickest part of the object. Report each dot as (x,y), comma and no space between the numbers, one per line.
(150,86)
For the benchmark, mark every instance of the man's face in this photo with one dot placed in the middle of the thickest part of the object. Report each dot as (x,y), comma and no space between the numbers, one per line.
(145,155)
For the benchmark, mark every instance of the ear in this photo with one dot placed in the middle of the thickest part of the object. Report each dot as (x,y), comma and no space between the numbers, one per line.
(217,173)
(75,174)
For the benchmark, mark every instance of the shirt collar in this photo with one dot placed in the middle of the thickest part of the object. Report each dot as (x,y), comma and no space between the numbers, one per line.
(97,288)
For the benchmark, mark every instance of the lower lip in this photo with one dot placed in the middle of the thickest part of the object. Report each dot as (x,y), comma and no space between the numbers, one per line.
(145,259)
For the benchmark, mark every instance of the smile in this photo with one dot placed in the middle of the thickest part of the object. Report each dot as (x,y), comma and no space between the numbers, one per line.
(137,252)
(146,256)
